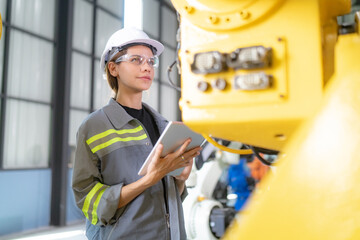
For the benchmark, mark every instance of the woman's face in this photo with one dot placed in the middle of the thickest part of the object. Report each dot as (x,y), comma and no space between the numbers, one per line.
(135,78)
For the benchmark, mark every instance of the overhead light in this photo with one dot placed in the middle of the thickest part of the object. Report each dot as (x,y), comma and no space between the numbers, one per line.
(254,81)
(208,62)
(250,58)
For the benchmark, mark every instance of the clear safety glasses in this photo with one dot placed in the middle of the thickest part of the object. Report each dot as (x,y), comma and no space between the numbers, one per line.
(139,60)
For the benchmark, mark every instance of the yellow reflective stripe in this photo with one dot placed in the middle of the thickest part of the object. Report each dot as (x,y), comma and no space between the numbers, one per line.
(110,131)
(88,198)
(94,214)
(117,139)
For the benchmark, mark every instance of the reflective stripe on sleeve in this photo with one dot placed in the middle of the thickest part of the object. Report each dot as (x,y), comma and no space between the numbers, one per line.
(96,190)
(96,204)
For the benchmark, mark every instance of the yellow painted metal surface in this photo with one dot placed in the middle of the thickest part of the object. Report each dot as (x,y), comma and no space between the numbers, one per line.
(315,192)
(225,14)
(299,34)
(311,113)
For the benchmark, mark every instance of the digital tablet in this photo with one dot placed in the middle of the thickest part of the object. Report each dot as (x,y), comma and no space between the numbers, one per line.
(174,135)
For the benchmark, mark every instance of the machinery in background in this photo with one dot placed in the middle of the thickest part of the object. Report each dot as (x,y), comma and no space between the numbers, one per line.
(246,65)
(280,75)
(219,187)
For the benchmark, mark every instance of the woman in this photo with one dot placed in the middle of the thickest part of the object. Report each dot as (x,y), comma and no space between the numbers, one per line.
(112,144)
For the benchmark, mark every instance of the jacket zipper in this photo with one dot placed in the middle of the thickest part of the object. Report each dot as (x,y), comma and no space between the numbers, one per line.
(167,215)
(163,180)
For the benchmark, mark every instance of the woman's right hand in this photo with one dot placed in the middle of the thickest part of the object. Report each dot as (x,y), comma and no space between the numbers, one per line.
(159,166)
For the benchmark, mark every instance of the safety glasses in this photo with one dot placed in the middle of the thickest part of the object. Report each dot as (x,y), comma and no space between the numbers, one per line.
(139,60)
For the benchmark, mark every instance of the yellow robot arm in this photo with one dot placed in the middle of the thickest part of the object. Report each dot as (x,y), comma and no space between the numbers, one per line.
(277,75)
(253,71)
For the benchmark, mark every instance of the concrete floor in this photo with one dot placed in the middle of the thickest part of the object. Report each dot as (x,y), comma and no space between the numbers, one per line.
(74,232)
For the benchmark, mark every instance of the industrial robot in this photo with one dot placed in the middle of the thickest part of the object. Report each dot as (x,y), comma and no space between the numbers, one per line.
(213,192)
(280,75)
(219,186)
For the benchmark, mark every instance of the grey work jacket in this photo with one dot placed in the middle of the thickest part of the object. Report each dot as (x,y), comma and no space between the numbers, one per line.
(111,148)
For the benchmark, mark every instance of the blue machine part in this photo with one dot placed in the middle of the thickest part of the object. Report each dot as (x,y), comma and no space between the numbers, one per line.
(240,182)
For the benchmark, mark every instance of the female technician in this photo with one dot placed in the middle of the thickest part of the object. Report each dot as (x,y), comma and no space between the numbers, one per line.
(112,144)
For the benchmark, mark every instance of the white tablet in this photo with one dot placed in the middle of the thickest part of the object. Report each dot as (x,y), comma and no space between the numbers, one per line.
(174,135)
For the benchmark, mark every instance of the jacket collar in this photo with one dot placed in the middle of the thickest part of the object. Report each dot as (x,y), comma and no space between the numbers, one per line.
(119,117)
(116,114)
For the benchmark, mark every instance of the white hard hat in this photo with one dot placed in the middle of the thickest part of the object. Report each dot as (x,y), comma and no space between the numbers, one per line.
(126,36)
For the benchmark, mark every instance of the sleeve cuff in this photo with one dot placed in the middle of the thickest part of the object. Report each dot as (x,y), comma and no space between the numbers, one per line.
(108,210)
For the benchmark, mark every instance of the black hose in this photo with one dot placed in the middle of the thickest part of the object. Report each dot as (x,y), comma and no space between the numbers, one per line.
(256,151)
(169,77)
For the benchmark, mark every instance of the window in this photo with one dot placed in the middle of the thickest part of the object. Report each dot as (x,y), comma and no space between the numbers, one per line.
(27,135)
(27,97)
